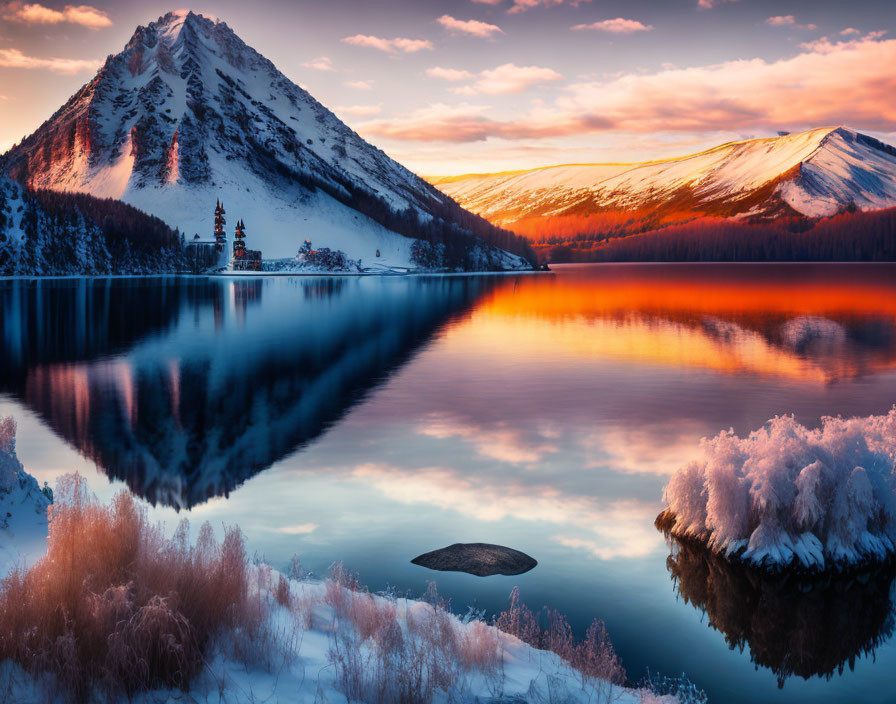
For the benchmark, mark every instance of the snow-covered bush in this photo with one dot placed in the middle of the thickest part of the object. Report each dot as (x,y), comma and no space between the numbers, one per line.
(325,259)
(818,498)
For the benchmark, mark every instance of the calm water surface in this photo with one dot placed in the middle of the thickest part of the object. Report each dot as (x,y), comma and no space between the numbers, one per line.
(369,420)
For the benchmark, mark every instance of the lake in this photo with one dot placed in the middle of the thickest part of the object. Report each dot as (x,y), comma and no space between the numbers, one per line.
(369,420)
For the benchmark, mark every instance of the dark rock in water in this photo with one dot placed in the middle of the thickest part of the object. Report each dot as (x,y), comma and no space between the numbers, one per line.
(480,559)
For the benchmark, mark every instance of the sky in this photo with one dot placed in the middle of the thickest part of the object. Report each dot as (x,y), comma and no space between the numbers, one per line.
(461,86)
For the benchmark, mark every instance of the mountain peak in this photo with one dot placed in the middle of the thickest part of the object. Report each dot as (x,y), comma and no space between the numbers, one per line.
(185,15)
(815,173)
(188,113)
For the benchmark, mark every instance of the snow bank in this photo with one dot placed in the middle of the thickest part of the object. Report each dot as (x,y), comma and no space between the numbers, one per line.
(789,496)
(23,506)
(321,642)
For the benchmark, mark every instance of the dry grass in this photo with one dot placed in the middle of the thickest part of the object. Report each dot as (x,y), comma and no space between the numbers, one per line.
(387,651)
(594,657)
(7,434)
(114,607)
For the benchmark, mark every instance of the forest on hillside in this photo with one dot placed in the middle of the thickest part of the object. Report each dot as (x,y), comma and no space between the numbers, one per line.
(53,233)
(848,236)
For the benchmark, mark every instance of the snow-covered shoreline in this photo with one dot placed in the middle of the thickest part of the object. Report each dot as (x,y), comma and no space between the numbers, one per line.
(293,639)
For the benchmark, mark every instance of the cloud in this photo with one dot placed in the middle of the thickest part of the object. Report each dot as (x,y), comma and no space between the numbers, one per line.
(299,529)
(13,58)
(830,82)
(321,63)
(708,4)
(609,529)
(390,46)
(787,21)
(472,27)
(360,110)
(523,5)
(849,30)
(34,13)
(448,74)
(467,123)
(497,443)
(360,85)
(501,80)
(617,26)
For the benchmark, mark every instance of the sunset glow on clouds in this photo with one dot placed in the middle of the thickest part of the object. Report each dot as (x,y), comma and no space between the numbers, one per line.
(408,46)
(35,13)
(617,26)
(456,86)
(830,82)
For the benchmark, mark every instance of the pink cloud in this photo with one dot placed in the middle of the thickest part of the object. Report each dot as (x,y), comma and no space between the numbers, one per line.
(390,46)
(617,26)
(468,123)
(13,58)
(787,21)
(523,5)
(321,63)
(501,80)
(34,13)
(360,85)
(448,74)
(849,30)
(471,27)
(845,82)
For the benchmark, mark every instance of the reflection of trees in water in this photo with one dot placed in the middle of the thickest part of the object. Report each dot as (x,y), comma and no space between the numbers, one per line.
(790,626)
(183,410)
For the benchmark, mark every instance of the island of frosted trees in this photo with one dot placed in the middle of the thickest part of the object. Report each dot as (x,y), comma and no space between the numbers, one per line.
(789,496)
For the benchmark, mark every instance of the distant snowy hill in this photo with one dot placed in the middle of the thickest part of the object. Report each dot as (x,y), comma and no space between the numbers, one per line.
(188,113)
(816,174)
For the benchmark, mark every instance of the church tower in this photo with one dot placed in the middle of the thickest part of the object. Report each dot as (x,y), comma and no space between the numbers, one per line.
(220,236)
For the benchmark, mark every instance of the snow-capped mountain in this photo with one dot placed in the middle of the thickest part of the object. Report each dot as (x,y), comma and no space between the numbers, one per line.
(815,174)
(188,113)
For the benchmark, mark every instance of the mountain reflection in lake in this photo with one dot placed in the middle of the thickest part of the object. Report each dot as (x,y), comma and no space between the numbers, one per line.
(791,625)
(209,387)
(372,420)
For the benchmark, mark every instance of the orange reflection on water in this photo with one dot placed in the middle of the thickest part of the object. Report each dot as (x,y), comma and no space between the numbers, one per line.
(811,323)
(688,290)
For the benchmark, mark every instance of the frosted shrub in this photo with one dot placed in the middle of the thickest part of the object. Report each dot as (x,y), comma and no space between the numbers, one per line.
(7,434)
(114,607)
(786,494)
(594,657)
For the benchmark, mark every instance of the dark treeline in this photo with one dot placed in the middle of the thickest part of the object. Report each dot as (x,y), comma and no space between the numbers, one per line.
(125,228)
(854,236)
(73,233)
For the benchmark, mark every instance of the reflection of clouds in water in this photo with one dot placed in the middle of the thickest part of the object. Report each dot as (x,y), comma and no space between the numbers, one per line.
(606,529)
(813,334)
(655,449)
(500,442)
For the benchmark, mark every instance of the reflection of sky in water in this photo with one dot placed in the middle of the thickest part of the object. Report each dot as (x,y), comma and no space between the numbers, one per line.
(546,418)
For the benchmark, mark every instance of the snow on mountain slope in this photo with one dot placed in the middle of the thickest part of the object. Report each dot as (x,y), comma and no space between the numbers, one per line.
(814,173)
(188,113)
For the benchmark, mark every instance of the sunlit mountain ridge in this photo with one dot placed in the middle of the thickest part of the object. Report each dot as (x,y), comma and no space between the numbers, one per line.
(812,174)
